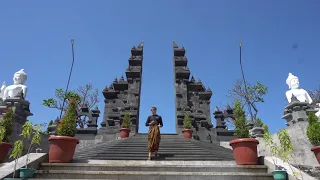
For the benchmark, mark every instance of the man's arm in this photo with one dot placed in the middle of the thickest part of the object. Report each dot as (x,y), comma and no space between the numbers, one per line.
(160,121)
(148,121)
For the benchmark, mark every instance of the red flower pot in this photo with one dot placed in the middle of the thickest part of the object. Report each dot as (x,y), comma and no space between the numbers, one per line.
(62,148)
(245,151)
(187,133)
(316,151)
(124,132)
(4,149)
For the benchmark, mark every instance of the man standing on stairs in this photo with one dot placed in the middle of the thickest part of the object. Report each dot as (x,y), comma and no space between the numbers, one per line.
(154,122)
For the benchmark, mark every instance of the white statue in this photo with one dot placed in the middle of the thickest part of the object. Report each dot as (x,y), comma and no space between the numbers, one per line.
(301,94)
(3,87)
(19,78)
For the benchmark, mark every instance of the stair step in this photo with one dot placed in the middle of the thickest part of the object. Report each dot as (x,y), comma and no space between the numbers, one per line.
(153,168)
(134,175)
(202,152)
(185,158)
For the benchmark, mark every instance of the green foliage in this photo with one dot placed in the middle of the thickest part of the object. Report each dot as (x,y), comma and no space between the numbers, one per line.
(257,91)
(47,130)
(249,98)
(6,124)
(241,130)
(286,147)
(261,124)
(126,122)
(17,150)
(68,125)
(269,143)
(313,130)
(32,133)
(187,123)
(60,97)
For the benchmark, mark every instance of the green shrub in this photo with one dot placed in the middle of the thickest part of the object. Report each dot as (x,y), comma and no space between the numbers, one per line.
(286,147)
(313,130)
(187,123)
(68,124)
(241,129)
(126,122)
(6,126)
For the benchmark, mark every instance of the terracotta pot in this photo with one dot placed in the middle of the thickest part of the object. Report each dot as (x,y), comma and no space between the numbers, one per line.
(124,132)
(187,133)
(316,151)
(4,149)
(62,148)
(245,151)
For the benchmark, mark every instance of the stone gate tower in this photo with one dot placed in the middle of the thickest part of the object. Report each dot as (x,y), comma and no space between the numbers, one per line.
(191,97)
(124,96)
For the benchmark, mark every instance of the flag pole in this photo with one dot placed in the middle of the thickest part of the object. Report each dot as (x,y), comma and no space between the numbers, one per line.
(64,100)
(245,83)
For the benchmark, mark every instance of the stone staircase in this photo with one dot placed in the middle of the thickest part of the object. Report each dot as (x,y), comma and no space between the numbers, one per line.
(172,147)
(179,158)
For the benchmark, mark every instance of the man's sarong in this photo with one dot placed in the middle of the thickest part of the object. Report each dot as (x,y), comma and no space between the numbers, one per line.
(154,138)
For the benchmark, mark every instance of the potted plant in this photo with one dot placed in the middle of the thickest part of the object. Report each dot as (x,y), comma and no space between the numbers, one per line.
(187,124)
(63,146)
(279,173)
(5,133)
(32,133)
(244,147)
(16,154)
(313,134)
(125,126)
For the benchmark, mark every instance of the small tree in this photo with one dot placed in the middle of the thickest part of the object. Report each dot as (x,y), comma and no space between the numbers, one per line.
(86,95)
(241,130)
(249,98)
(32,133)
(187,123)
(16,153)
(6,126)
(68,125)
(313,130)
(126,122)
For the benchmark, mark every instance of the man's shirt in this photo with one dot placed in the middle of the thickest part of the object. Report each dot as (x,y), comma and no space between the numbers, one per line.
(156,118)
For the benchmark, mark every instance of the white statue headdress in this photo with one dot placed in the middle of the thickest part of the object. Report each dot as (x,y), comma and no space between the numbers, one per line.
(290,78)
(22,74)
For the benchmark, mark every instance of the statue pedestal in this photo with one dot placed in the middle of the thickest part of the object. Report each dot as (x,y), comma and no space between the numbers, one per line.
(19,106)
(297,111)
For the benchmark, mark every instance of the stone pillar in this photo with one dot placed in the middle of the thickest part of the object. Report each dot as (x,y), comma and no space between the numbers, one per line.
(296,112)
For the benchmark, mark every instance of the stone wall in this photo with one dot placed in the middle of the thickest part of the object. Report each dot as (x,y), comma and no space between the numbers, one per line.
(302,148)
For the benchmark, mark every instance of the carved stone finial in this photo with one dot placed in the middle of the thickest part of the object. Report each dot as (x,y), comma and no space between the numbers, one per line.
(133,47)
(192,79)
(96,108)
(141,44)
(217,108)
(115,80)
(110,86)
(209,90)
(199,81)
(122,78)
(174,45)
(182,48)
(228,107)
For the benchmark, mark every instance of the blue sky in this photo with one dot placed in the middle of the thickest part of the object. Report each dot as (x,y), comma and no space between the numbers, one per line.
(35,35)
